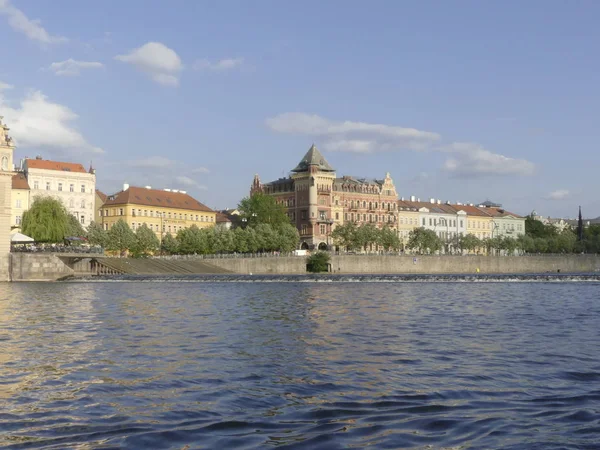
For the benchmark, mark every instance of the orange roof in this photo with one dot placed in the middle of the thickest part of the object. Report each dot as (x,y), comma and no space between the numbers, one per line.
(501,212)
(155,197)
(19,181)
(102,195)
(473,210)
(54,165)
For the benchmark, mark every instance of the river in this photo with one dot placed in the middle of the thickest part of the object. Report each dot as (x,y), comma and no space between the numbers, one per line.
(292,362)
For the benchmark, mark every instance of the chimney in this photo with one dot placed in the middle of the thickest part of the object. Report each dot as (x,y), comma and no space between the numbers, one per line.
(167,190)
(432,200)
(148,187)
(125,186)
(402,199)
(175,191)
(38,157)
(183,192)
(412,198)
(439,202)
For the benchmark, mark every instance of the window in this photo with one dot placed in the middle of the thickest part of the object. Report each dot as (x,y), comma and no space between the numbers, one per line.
(322,215)
(146,212)
(47,185)
(18,220)
(303,215)
(430,222)
(83,188)
(36,184)
(323,229)
(196,217)
(71,188)
(461,223)
(18,204)
(60,187)
(423,221)
(337,216)
(120,211)
(82,219)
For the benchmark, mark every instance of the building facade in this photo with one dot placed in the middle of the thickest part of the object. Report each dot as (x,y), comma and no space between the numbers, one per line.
(6,172)
(316,200)
(19,200)
(68,182)
(163,211)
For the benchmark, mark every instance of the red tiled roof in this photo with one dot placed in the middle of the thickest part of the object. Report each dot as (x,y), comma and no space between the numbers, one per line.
(54,165)
(19,181)
(222,218)
(473,210)
(501,212)
(102,195)
(157,198)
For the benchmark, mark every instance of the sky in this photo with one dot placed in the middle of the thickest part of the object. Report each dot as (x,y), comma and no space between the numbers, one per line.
(462,101)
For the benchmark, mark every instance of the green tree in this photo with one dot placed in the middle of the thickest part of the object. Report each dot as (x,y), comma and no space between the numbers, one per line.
(146,242)
(46,221)
(526,243)
(261,208)
(169,244)
(508,244)
(240,237)
(318,262)
(423,241)
(120,237)
(469,242)
(190,241)
(345,236)
(388,239)
(288,237)
(74,228)
(96,235)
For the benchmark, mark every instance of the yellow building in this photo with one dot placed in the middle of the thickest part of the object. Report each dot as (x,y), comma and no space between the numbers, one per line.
(20,199)
(408,219)
(99,200)
(163,211)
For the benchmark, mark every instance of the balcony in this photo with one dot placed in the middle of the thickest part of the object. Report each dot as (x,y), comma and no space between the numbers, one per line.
(324,220)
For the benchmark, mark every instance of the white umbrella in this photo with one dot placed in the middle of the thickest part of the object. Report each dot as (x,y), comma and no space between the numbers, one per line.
(20,237)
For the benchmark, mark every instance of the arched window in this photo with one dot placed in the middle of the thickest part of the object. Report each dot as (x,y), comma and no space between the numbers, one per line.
(83,204)
(5,163)
(71,203)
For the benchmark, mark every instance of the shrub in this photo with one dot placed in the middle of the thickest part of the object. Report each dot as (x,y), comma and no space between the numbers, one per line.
(318,262)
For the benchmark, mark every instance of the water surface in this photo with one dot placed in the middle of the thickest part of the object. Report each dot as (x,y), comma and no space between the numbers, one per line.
(222,364)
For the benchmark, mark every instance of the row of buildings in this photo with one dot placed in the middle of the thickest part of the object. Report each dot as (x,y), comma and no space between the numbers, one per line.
(315,199)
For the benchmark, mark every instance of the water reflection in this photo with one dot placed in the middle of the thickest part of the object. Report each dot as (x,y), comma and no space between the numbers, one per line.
(312,365)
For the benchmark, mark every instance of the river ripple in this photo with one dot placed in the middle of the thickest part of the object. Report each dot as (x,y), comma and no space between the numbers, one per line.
(300,365)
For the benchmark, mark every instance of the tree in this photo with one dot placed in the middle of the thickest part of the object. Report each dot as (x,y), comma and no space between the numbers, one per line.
(74,228)
(96,235)
(345,236)
(288,237)
(169,244)
(423,241)
(318,262)
(388,239)
(469,242)
(120,237)
(190,241)
(261,208)
(46,221)
(146,242)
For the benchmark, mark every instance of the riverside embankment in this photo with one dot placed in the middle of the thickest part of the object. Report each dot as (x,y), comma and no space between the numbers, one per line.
(51,267)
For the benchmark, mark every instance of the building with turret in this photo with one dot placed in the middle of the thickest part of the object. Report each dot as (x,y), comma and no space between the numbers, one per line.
(316,200)
(6,174)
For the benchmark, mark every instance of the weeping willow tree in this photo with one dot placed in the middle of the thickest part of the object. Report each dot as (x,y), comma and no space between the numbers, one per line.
(46,221)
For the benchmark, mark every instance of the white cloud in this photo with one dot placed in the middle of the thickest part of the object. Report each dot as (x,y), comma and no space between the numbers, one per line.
(188,182)
(361,137)
(470,159)
(73,68)
(221,65)
(18,21)
(38,122)
(5,86)
(356,137)
(560,194)
(200,170)
(157,60)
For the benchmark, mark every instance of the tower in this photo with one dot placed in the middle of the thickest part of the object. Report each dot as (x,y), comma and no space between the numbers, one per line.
(313,178)
(6,172)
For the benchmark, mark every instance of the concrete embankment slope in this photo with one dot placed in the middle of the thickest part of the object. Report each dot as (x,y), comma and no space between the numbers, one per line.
(419,264)
(160,266)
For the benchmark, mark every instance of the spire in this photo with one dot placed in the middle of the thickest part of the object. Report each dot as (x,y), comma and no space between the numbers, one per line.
(313,158)
(580,226)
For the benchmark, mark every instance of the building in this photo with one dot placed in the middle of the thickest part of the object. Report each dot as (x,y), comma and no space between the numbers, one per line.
(505,223)
(223,221)
(316,200)
(19,200)
(6,172)
(163,211)
(99,200)
(68,182)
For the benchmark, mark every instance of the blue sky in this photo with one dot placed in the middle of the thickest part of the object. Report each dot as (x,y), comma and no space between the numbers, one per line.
(462,101)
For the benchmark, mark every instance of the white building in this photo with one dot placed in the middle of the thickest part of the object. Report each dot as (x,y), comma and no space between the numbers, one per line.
(69,182)
(6,172)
